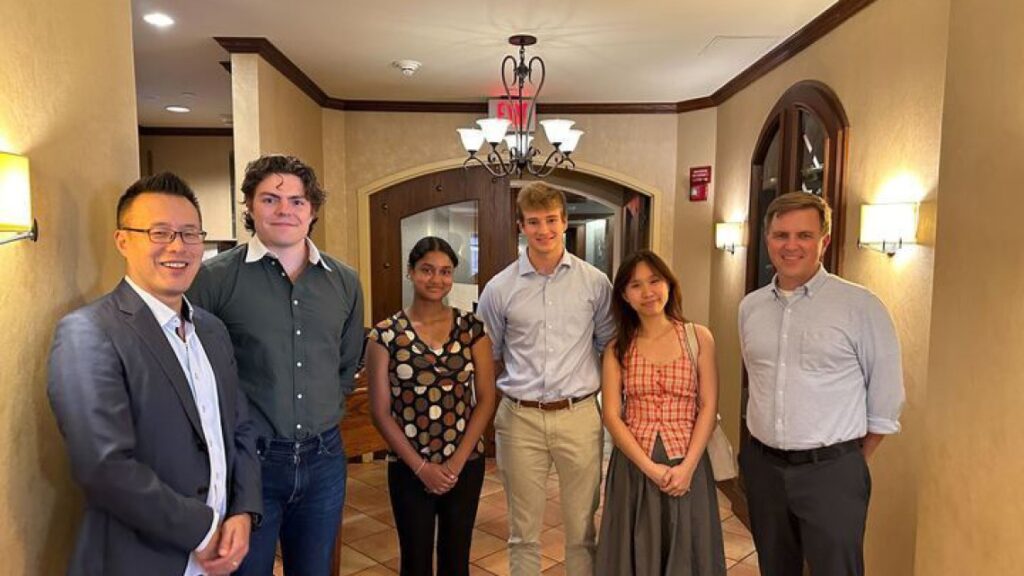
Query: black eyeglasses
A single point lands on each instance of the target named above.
(166, 235)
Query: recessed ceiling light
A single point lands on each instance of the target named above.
(408, 67)
(178, 109)
(159, 20)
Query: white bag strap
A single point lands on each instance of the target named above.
(692, 347)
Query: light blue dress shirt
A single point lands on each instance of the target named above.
(203, 383)
(549, 330)
(824, 364)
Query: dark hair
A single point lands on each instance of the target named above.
(627, 321)
(430, 244)
(162, 183)
(258, 170)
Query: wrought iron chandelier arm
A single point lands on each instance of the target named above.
(474, 158)
(554, 160)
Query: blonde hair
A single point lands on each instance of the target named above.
(539, 196)
(793, 201)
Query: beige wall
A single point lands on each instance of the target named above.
(693, 236)
(892, 90)
(272, 116)
(971, 509)
(203, 162)
(72, 112)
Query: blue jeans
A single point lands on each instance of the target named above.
(303, 494)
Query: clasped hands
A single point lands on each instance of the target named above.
(440, 478)
(672, 480)
(228, 546)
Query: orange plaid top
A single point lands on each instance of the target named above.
(661, 399)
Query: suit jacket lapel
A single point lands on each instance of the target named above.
(141, 319)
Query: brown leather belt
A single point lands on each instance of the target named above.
(553, 405)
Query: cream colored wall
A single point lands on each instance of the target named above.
(68, 103)
(891, 85)
(203, 162)
(693, 233)
(278, 116)
(971, 509)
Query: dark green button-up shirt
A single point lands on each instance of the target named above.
(297, 345)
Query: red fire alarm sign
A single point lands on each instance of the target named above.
(700, 179)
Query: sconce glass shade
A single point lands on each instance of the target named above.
(728, 235)
(571, 140)
(888, 227)
(557, 129)
(472, 139)
(494, 129)
(15, 194)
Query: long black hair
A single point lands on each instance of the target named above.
(627, 321)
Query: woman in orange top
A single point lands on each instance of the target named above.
(661, 510)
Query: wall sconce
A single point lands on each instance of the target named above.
(888, 227)
(728, 235)
(15, 200)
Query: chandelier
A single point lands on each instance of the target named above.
(511, 139)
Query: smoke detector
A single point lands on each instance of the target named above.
(408, 67)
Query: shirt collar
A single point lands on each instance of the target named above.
(526, 267)
(165, 316)
(257, 250)
(809, 288)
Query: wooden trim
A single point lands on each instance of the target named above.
(817, 28)
(277, 59)
(608, 108)
(824, 23)
(183, 131)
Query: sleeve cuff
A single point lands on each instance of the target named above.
(878, 425)
(209, 535)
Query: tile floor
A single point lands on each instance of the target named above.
(371, 545)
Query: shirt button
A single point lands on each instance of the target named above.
(299, 364)
(298, 332)
(295, 302)
(298, 427)
(783, 364)
(299, 396)
(283, 274)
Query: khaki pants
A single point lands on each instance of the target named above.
(528, 442)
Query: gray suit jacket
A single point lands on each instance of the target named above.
(135, 440)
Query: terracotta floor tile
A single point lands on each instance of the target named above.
(355, 525)
(377, 570)
(742, 569)
(752, 560)
(497, 527)
(394, 564)
(737, 547)
(475, 570)
(556, 570)
(485, 544)
(734, 525)
(498, 563)
(382, 546)
(353, 561)
(486, 512)
(491, 487)
(552, 544)
(368, 500)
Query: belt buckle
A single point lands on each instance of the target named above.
(541, 404)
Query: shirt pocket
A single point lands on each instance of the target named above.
(824, 349)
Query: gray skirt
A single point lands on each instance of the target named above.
(645, 532)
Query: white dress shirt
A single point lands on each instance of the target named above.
(201, 380)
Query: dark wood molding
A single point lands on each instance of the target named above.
(824, 23)
(608, 108)
(183, 131)
(277, 59)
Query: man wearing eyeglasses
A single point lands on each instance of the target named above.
(145, 392)
(295, 316)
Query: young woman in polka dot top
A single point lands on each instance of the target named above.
(431, 396)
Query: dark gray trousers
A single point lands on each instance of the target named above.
(814, 511)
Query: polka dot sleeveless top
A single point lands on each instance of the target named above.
(431, 390)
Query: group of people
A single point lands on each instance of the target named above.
(200, 401)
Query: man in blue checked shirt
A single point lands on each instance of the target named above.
(826, 387)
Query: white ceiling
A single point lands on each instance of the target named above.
(595, 50)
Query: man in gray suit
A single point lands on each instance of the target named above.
(145, 393)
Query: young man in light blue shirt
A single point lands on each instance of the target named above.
(548, 317)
